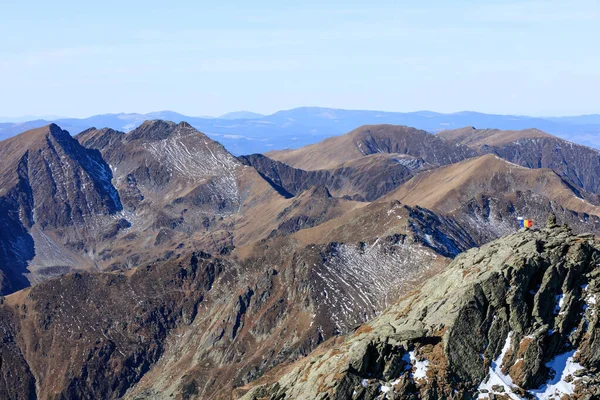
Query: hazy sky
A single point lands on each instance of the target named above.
(76, 58)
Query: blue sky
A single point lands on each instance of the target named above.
(77, 59)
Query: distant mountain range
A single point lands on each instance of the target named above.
(246, 132)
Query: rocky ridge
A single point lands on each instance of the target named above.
(365, 179)
(516, 318)
(373, 139)
(533, 148)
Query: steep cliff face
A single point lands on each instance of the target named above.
(515, 319)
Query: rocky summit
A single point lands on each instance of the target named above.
(514, 319)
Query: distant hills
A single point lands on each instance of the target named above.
(242, 115)
(245, 132)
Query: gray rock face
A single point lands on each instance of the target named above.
(414, 142)
(517, 317)
(161, 163)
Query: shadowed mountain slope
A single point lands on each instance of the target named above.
(532, 148)
(363, 179)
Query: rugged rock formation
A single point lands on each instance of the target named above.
(516, 318)
(93, 335)
(162, 162)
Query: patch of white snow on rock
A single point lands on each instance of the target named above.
(560, 384)
(564, 367)
(420, 366)
(496, 377)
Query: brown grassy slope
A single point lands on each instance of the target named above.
(371, 139)
(531, 148)
(446, 188)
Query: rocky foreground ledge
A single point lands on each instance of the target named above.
(514, 319)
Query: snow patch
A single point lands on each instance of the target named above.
(496, 376)
(559, 303)
(563, 366)
(421, 367)
(356, 281)
(591, 299)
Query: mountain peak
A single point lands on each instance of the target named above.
(40, 133)
(372, 139)
(12, 149)
(159, 129)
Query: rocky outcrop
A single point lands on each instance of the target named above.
(516, 318)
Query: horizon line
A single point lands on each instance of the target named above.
(26, 118)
